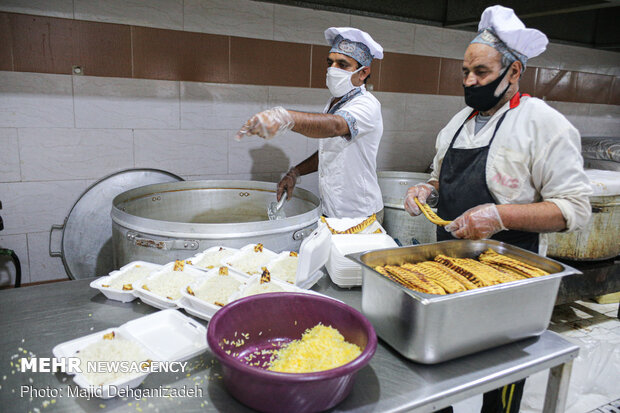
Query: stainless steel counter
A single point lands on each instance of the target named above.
(34, 319)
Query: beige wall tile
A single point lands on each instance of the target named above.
(266, 177)
(125, 103)
(42, 266)
(213, 106)
(427, 40)
(394, 36)
(59, 153)
(35, 100)
(405, 151)
(36, 206)
(241, 18)
(301, 99)
(9, 155)
(55, 8)
(297, 24)
(430, 113)
(183, 152)
(17, 243)
(166, 14)
(455, 42)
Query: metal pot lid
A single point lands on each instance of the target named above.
(86, 247)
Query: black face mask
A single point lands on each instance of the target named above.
(482, 98)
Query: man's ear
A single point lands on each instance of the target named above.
(364, 73)
(515, 71)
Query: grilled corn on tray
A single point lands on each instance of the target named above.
(433, 303)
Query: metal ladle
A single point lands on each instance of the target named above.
(276, 209)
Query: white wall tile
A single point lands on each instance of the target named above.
(394, 36)
(241, 18)
(58, 153)
(405, 151)
(265, 177)
(297, 24)
(17, 243)
(35, 100)
(167, 14)
(427, 40)
(551, 58)
(184, 152)
(9, 155)
(297, 98)
(313, 146)
(36, 206)
(42, 266)
(125, 103)
(430, 113)
(213, 106)
(392, 110)
(256, 155)
(55, 8)
(309, 182)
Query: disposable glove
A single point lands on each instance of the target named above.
(287, 184)
(424, 193)
(267, 124)
(479, 222)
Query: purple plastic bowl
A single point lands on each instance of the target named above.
(282, 317)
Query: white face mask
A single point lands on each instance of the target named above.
(339, 81)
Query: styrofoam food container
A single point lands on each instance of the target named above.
(165, 336)
(202, 308)
(343, 271)
(313, 254)
(124, 296)
(162, 302)
(230, 261)
(198, 257)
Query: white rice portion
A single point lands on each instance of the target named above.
(262, 289)
(217, 288)
(117, 349)
(129, 277)
(169, 284)
(251, 262)
(213, 259)
(286, 269)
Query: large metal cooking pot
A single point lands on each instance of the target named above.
(397, 222)
(599, 240)
(163, 222)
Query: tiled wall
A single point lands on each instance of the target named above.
(159, 97)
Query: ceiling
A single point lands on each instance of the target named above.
(588, 23)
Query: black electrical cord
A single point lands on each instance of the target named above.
(18, 267)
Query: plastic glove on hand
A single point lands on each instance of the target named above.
(267, 124)
(287, 184)
(420, 191)
(477, 223)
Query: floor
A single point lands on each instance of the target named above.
(595, 378)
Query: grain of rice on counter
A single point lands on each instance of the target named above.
(125, 281)
(110, 349)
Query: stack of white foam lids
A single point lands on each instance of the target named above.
(313, 254)
(342, 271)
(604, 183)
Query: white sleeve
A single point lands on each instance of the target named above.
(362, 115)
(557, 172)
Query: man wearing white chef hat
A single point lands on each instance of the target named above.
(508, 167)
(350, 129)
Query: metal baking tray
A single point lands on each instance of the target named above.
(430, 329)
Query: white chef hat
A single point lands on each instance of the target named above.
(353, 43)
(501, 29)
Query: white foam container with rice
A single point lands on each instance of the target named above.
(165, 336)
(431, 328)
(211, 257)
(121, 295)
(158, 301)
(241, 262)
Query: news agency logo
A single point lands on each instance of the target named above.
(73, 365)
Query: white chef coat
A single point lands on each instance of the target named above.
(536, 156)
(348, 182)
